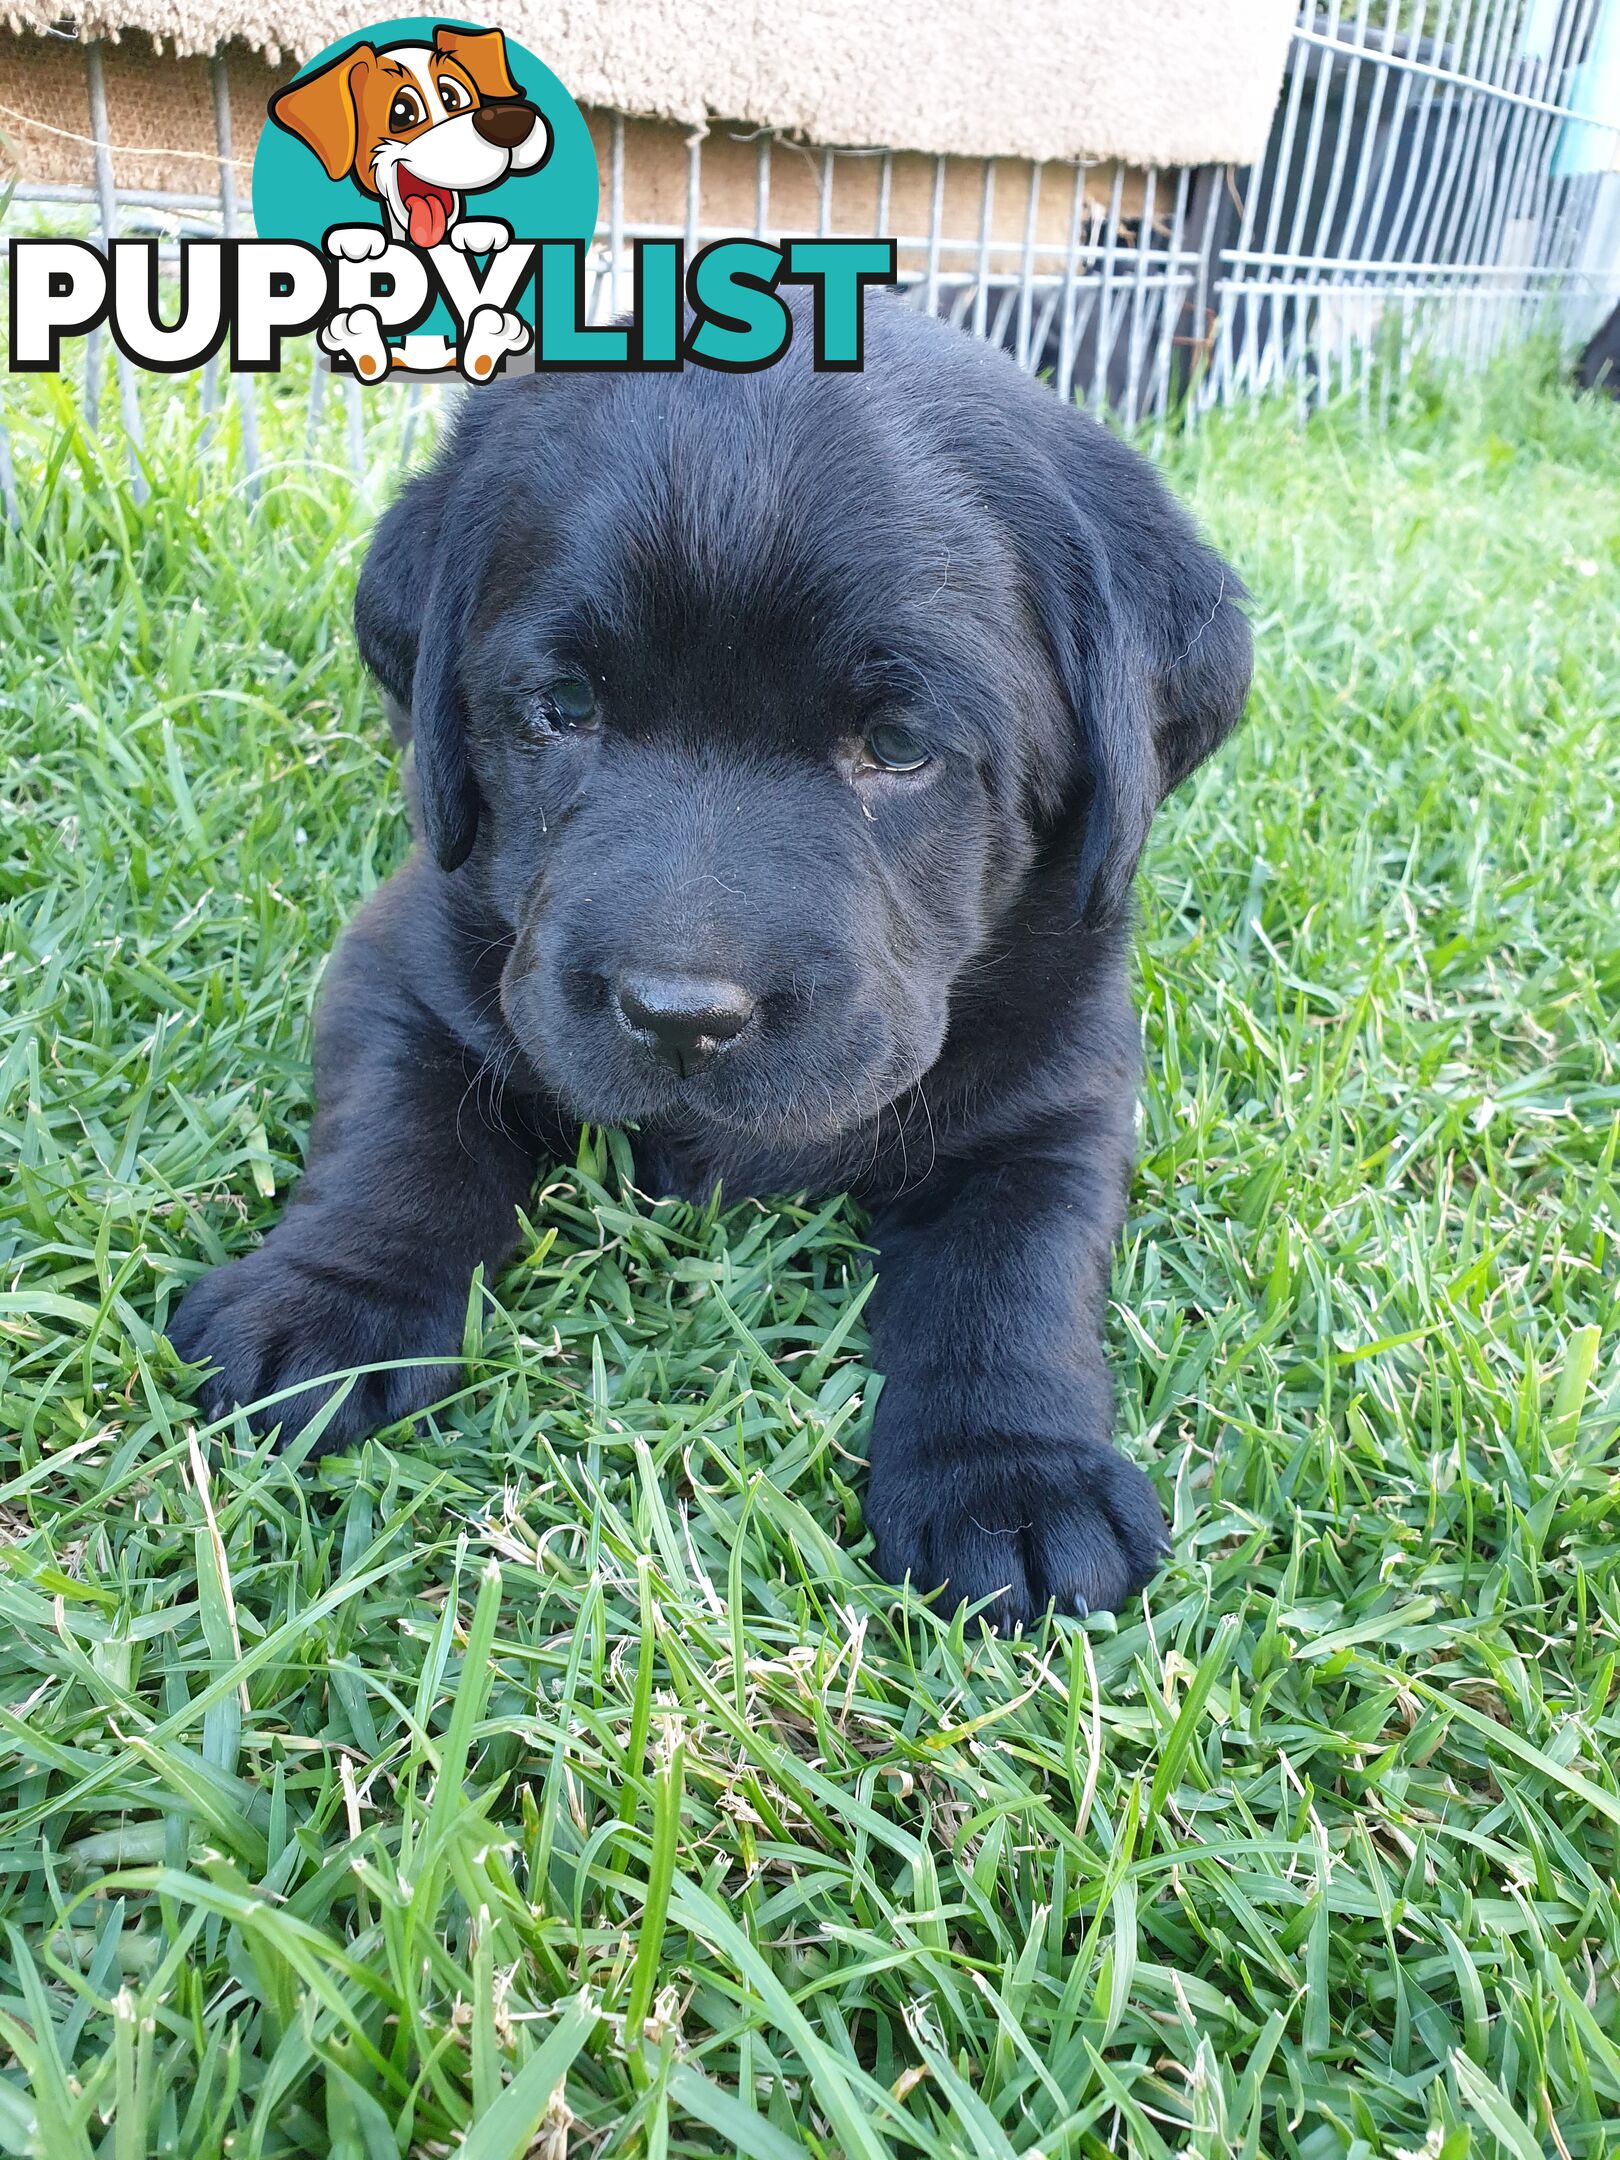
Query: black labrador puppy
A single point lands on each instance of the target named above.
(784, 746)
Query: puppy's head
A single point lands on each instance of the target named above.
(769, 711)
(418, 126)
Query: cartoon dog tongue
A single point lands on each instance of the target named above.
(428, 215)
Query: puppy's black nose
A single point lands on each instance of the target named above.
(504, 125)
(683, 1018)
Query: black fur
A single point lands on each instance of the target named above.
(751, 572)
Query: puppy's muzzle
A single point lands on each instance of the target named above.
(684, 1020)
(505, 125)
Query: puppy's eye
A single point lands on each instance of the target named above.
(893, 748)
(406, 110)
(567, 703)
(452, 94)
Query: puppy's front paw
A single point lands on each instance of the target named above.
(357, 243)
(266, 1323)
(492, 333)
(357, 336)
(480, 236)
(1026, 1523)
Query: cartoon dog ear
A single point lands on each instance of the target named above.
(411, 612)
(1145, 624)
(321, 110)
(483, 54)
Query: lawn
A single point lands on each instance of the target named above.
(554, 1778)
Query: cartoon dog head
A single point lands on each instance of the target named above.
(418, 126)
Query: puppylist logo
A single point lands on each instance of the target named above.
(418, 153)
(425, 200)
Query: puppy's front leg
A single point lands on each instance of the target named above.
(413, 1178)
(993, 1473)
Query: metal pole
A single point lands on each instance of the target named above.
(1533, 157)
(1489, 221)
(987, 205)
(1026, 268)
(1244, 369)
(1346, 128)
(8, 481)
(108, 209)
(1134, 334)
(936, 219)
(762, 187)
(1103, 349)
(1461, 104)
(1067, 339)
(1170, 320)
(1370, 312)
(246, 404)
(319, 374)
(357, 431)
(1414, 214)
(616, 214)
(1472, 170)
(694, 193)
(1207, 194)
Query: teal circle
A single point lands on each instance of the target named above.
(294, 199)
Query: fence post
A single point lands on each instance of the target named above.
(1103, 350)
(246, 407)
(1195, 324)
(8, 482)
(616, 218)
(107, 202)
(1068, 329)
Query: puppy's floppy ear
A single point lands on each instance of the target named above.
(483, 54)
(411, 612)
(1145, 623)
(321, 111)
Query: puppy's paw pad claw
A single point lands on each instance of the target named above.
(268, 1325)
(1080, 1533)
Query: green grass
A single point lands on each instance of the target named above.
(555, 1777)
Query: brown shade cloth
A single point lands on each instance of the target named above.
(1170, 82)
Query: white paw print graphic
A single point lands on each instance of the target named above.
(491, 333)
(357, 334)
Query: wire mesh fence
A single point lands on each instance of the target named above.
(1442, 177)
(1433, 181)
